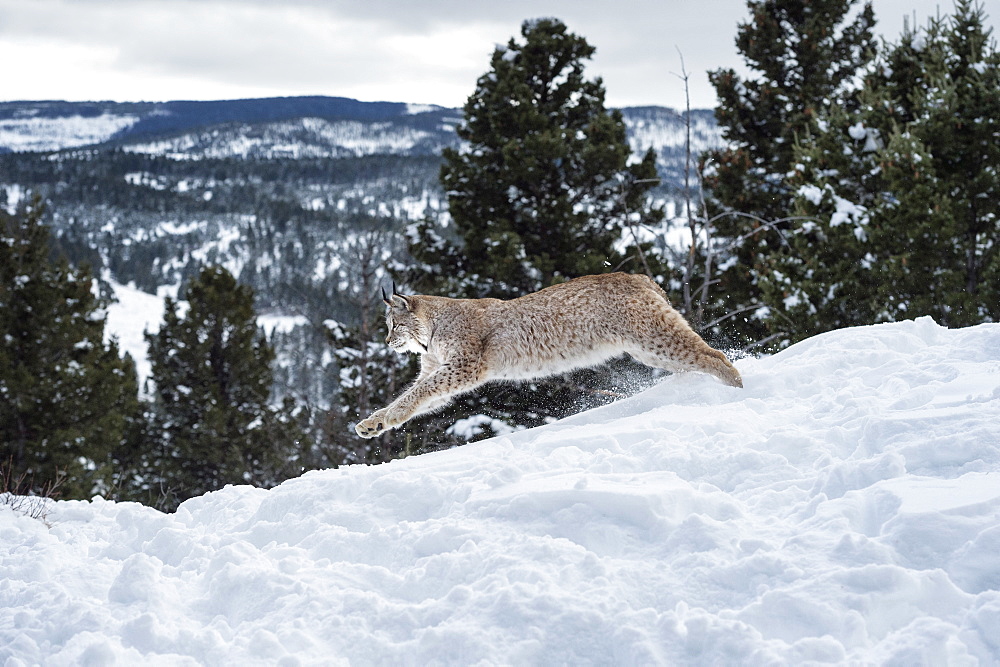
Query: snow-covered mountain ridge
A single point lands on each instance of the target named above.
(307, 127)
(107, 121)
(843, 508)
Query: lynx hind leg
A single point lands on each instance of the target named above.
(673, 345)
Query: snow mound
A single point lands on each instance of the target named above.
(844, 507)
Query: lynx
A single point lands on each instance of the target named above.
(464, 343)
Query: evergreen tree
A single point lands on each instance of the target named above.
(827, 273)
(211, 367)
(805, 58)
(955, 120)
(66, 396)
(543, 191)
(904, 191)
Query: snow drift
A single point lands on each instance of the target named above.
(845, 506)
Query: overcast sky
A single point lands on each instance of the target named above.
(421, 51)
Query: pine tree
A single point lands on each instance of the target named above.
(903, 191)
(211, 367)
(543, 192)
(805, 57)
(66, 395)
(955, 118)
(828, 271)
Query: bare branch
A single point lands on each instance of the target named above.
(732, 314)
(691, 221)
(765, 225)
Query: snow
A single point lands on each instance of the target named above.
(873, 141)
(146, 179)
(50, 134)
(664, 131)
(792, 300)
(414, 109)
(299, 139)
(276, 322)
(173, 228)
(812, 193)
(871, 135)
(848, 211)
(14, 195)
(844, 507)
(134, 313)
(472, 426)
(857, 131)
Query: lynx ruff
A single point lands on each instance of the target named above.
(464, 343)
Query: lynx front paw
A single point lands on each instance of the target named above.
(374, 425)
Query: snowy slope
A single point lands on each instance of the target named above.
(32, 133)
(135, 312)
(665, 130)
(55, 125)
(844, 507)
(132, 315)
(303, 138)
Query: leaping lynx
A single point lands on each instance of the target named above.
(464, 343)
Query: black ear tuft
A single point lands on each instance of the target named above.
(397, 296)
(385, 298)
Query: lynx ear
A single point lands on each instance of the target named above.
(397, 300)
(400, 301)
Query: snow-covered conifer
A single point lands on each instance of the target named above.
(211, 367)
(805, 58)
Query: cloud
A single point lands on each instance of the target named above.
(430, 51)
(424, 52)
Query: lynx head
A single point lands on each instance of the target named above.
(407, 332)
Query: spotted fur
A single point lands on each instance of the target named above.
(464, 343)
